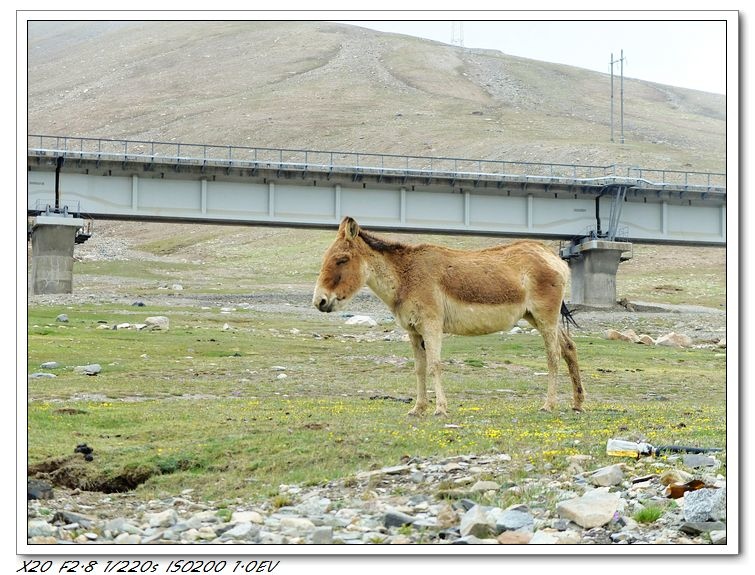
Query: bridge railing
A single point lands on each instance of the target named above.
(366, 163)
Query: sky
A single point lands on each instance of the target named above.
(687, 54)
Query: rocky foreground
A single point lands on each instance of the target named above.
(420, 501)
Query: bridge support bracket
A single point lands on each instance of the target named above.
(593, 265)
(52, 240)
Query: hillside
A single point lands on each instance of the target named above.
(321, 85)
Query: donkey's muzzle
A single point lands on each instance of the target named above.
(324, 304)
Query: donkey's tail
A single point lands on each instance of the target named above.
(567, 317)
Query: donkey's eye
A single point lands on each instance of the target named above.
(341, 261)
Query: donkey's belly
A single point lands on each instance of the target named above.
(478, 319)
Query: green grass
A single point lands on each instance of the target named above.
(201, 407)
(648, 514)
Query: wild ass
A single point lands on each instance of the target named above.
(432, 289)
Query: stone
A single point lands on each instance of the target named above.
(91, 369)
(121, 525)
(246, 516)
(39, 527)
(127, 539)
(395, 518)
(671, 476)
(38, 489)
(165, 518)
(698, 527)
(482, 486)
(645, 339)
(718, 537)
(607, 476)
(706, 504)
(242, 531)
(695, 460)
(158, 322)
(361, 320)
(514, 538)
(674, 339)
(322, 535)
(63, 318)
(50, 365)
(594, 509)
(478, 522)
(297, 523)
(514, 520)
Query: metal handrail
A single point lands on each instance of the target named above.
(368, 163)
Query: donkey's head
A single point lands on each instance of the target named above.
(343, 271)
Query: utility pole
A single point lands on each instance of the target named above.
(457, 33)
(620, 60)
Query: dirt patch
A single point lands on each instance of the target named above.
(74, 472)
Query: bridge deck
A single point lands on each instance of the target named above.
(225, 184)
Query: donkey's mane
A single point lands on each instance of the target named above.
(381, 245)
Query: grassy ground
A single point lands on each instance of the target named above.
(203, 407)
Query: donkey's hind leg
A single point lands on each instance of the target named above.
(550, 337)
(569, 353)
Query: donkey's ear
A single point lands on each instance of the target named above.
(350, 228)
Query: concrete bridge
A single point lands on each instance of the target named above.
(587, 205)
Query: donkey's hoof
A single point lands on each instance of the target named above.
(416, 412)
(547, 408)
(440, 413)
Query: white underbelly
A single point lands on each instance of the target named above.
(477, 319)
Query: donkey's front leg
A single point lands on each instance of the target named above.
(433, 340)
(420, 370)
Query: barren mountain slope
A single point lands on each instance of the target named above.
(320, 85)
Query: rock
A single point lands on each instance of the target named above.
(674, 340)
(38, 489)
(482, 486)
(607, 476)
(672, 476)
(63, 318)
(698, 527)
(514, 538)
(614, 334)
(718, 537)
(478, 522)
(645, 339)
(361, 320)
(91, 369)
(706, 504)
(245, 516)
(121, 525)
(297, 523)
(396, 518)
(128, 539)
(158, 322)
(165, 518)
(515, 519)
(695, 460)
(721, 343)
(594, 509)
(70, 517)
(39, 528)
(50, 365)
(242, 532)
(322, 535)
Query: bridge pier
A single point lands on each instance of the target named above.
(593, 265)
(52, 240)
